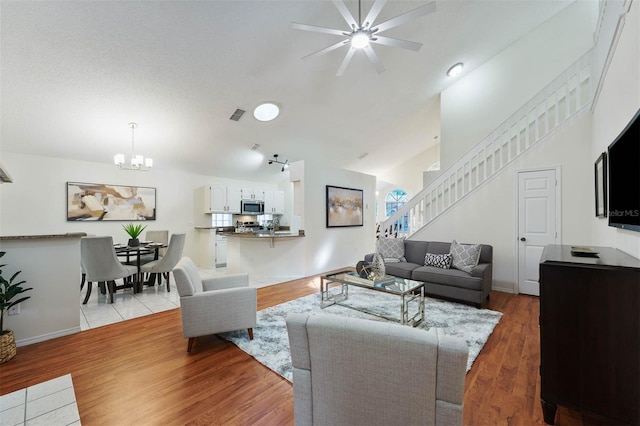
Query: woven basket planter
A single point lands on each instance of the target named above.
(7, 347)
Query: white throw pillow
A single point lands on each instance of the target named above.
(438, 260)
(465, 256)
(391, 249)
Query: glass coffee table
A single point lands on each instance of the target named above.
(410, 292)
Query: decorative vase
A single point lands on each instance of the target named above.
(378, 266)
(134, 242)
(7, 346)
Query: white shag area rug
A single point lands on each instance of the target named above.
(270, 345)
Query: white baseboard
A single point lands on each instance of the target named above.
(503, 289)
(47, 336)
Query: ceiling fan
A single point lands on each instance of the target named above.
(363, 32)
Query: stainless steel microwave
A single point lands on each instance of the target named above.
(252, 207)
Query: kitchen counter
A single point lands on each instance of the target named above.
(262, 235)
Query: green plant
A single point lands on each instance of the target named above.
(9, 290)
(134, 231)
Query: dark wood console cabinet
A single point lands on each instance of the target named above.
(590, 333)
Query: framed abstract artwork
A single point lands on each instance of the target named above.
(600, 169)
(344, 207)
(103, 202)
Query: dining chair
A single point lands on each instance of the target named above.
(165, 265)
(161, 236)
(100, 265)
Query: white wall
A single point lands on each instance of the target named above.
(483, 99)
(35, 203)
(617, 102)
(489, 215)
(333, 248)
(53, 309)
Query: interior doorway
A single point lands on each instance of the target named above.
(538, 223)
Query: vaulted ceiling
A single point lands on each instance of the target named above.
(75, 73)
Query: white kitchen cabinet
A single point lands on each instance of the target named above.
(252, 194)
(274, 202)
(221, 251)
(222, 199)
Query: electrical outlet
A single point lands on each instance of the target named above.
(14, 310)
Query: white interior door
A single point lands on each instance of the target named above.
(538, 218)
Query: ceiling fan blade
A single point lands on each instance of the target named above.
(374, 59)
(374, 12)
(327, 49)
(313, 28)
(344, 11)
(394, 42)
(345, 62)
(406, 17)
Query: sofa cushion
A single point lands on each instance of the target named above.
(451, 277)
(438, 260)
(414, 251)
(465, 256)
(400, 269)
(391, 249)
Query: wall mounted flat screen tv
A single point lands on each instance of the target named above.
(624, 177)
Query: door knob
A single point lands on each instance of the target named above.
(523, 239)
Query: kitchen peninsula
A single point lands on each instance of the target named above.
(283, 256)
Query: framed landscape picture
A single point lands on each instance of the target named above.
(344, 206)
(99, 201)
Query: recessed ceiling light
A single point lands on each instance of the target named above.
(266, 111)
(455, 70)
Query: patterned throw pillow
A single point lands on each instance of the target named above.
(391, 249)
(465, 256)
(438, 260)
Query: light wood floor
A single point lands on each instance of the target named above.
(139, 373)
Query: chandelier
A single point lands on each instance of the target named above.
(138, 162)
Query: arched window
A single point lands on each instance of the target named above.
(394, 201)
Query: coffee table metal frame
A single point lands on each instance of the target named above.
(409, 291)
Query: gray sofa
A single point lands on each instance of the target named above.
(451, 283)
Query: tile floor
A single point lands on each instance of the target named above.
(49, 403)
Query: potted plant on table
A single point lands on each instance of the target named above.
(8, 291)
(134, 232)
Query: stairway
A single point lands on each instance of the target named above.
(564, 98)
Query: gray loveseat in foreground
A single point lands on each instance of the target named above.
(454, 284)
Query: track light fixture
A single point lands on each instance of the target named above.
(285, 163)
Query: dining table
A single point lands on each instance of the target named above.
(133, 256)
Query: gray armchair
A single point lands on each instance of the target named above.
(349, 371)
(213, 305)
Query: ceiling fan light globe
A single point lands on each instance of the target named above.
(360, 40)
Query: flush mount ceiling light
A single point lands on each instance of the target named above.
(138, 162)
(266, 111)
(285, 163)
(455, 70)
(363, 32)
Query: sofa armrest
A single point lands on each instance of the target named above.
(368, 257)
(484, 271)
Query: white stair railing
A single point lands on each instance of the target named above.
(565, 97)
